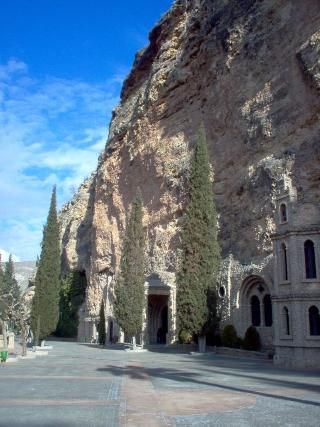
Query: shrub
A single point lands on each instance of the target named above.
(229, 337)
(185, 337)
(252, 339)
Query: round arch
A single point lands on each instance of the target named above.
(250, 283)
(254, 296)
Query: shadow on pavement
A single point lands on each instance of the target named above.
(140, 373)
(39, 424)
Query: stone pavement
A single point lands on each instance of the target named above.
(83, 385)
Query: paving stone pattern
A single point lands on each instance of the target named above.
(83, 385)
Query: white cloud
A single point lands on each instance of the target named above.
(13, 66)
(51, 132)
(5, 256)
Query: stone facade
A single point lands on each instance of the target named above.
(280, 294)
(296, 296)
(159, 326)
(244, 284)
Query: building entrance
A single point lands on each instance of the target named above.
(157, 319)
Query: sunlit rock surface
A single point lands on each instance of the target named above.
(249, 71)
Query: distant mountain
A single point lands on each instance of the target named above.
(24, 271)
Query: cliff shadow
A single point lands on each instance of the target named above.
(84, 232)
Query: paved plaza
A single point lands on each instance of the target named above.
(83, 385)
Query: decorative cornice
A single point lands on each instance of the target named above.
(312, 229)
(306, 296)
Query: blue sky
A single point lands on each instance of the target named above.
(62, 64)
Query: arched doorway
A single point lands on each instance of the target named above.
(256, 308)
(157, 318)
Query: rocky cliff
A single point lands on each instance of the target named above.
(249, 70)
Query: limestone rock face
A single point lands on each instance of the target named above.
(249, 71)
(309, 56)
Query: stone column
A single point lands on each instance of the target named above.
(144, 333)
(121, 336)
(172, 316)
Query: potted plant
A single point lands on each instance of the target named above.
(3, 355)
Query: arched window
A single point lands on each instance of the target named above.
(310, 259)
(285, 321)
(283, 213)
(284, 262)
(255, 311)
(267, 310)
(314, 320)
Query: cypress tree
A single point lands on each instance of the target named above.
(10, 294)
(129, 290)
(3, 308)
(1, 279)
(45, 304)
(196, 278)
(10, 284)
(102, 325)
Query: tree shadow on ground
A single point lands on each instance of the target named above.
(253, 373)
(141, 373)
(117, 347)
(39, 424)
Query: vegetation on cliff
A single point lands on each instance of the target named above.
(45, 304)
(196, 278)
(129, 290)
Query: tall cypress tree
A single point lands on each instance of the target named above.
(10, 294)
(45, 304)
(129, 290)
(102, 325)
(1, 278)
(10, 284)
(200, 249)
